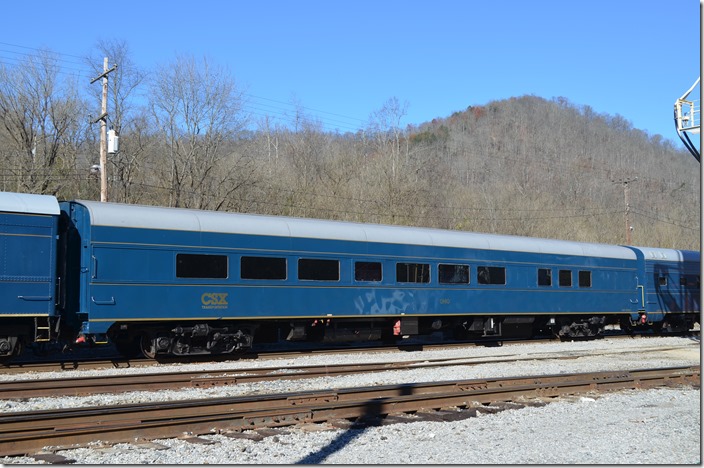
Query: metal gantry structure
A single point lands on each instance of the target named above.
(687, 117)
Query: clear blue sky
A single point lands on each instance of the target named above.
(342, 60)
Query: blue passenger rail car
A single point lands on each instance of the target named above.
(28, 240)
(672, 289)
(177, 281)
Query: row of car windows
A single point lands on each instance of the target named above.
(312, 269)
(693, 281)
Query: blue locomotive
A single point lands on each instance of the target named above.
(168, 281)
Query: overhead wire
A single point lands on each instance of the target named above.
(282, 111)
(35, 49)
(279, 108)
(367, 213)
(664, 220)
(457, 211)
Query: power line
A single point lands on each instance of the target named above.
(264, 107)
(295, 107)
(26, 56)
(281, 114)
(82, 176)
(346, 199)
(366, 212)
(61, 71)
(329, 119)
(664, 220)
(41, 50)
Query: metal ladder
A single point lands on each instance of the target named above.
(42, 329)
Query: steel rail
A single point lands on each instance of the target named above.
(25, 433)
(14, 389)
(205, 379)
(78, 363)
(121, 362)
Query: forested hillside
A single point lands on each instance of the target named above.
(526, 165)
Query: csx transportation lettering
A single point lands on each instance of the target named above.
(214, 300)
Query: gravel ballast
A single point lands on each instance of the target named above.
(641, 426)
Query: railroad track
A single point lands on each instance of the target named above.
(27, 433)
(116, 362)
(34, 388)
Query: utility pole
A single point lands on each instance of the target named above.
(103, 119)
(626, 196)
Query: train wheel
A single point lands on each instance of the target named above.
(147, 346)
(128, 346)
(16, 351)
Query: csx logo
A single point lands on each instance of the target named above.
(214, 299)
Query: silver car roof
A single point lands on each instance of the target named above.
(28, 203)
(151, 217)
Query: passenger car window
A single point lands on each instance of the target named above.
(544, 277)
(491, 275)
(318, 269)
(265, 268)
(367, 271)
(201, 266)
(453, 274)
(413, 273)
(565, 278)
(585, 279)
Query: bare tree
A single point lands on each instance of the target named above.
(41, 118)
(197, 108)
(385, 130)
